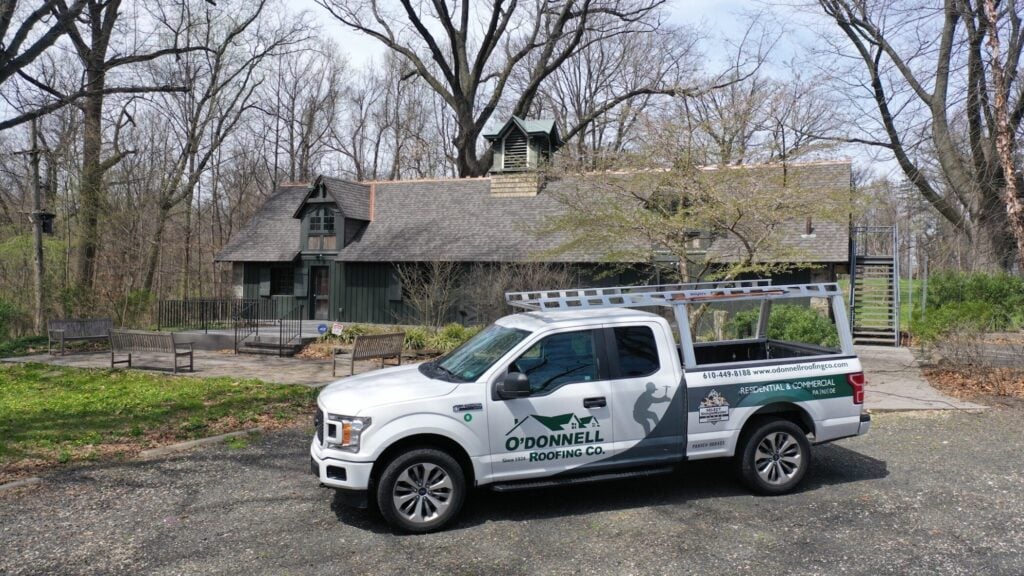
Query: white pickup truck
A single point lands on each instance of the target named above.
(585, 386)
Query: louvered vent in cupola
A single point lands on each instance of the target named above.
(517, 151)
(523, 145)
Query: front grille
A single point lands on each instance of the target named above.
(318, 423)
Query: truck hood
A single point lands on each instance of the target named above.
(352, 395)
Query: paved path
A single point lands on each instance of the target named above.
(895, 382)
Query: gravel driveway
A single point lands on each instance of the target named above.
(923, 493)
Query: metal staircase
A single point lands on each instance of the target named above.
(875, 285)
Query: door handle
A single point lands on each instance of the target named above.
(598, 402)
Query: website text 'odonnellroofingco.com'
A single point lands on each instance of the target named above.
(802, 367)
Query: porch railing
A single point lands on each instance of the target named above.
(209, 313)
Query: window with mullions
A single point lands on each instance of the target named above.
(321, 221)
(321, 229)
(282, 281)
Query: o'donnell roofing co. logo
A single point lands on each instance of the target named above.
(567, 430)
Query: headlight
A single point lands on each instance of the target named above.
(343, 432)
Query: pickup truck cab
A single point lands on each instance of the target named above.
(586, 386)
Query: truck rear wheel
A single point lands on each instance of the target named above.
(421, 490)
(773, 456)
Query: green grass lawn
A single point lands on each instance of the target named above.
(51, 415)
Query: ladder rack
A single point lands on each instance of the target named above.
(665, 295)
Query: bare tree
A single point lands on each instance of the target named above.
(92, 37)
(223, 81)
(936, 104)
(468, 52)
(599, 92)
(33, 34)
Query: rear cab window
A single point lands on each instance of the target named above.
(735, 332)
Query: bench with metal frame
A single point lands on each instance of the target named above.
(371, 346)
(76, 329)
(129, 341)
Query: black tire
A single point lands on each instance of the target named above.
(421, 490)
(772, 457)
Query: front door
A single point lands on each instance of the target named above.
(320, 286)
(565, 423)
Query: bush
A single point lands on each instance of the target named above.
(790, 323)
(974, 302)
(450, 337)
(11, 319)
(417, 337)
(349, 333)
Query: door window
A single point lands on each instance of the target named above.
(558, 360)
(638, 351)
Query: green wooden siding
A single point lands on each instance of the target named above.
(364, 297)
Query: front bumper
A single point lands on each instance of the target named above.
(338, 473)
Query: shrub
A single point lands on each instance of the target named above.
(11, 318)
(790, 323)
(349, 333)
(450, 337)
(976, 302)
(417, 337)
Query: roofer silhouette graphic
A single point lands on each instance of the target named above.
(642, 408)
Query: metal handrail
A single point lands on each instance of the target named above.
(290, 326)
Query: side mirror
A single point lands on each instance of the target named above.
(515, 385)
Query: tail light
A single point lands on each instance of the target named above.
(856, 381)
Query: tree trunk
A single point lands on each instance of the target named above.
(92, 192)
(154, 249)
(37, 232)
(1004, 136)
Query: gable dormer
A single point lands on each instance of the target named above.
(523, 145)
(331, 213)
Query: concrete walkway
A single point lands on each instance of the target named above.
(894, 379)
(895, 382)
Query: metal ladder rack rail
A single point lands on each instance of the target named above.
(665, 295)
(531, 300)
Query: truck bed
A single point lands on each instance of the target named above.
(753, 350)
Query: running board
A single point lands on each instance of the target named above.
(532, 484)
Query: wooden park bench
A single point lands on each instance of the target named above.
(128, 341)
(76, 329)
(373, 346)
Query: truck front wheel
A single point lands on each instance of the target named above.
(773, 456)
(421, 490)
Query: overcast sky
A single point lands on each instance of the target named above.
(719, 18)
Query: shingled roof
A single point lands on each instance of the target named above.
(460, 220)
(823, 186)
(457, 221)
(351, 197)
(272, 235)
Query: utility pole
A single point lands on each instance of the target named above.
(37, 229)
(36, 217)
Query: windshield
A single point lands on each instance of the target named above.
(467, 362)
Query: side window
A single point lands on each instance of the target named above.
(638, 351)
(558, 360)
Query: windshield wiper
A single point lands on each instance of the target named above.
(451, 375)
